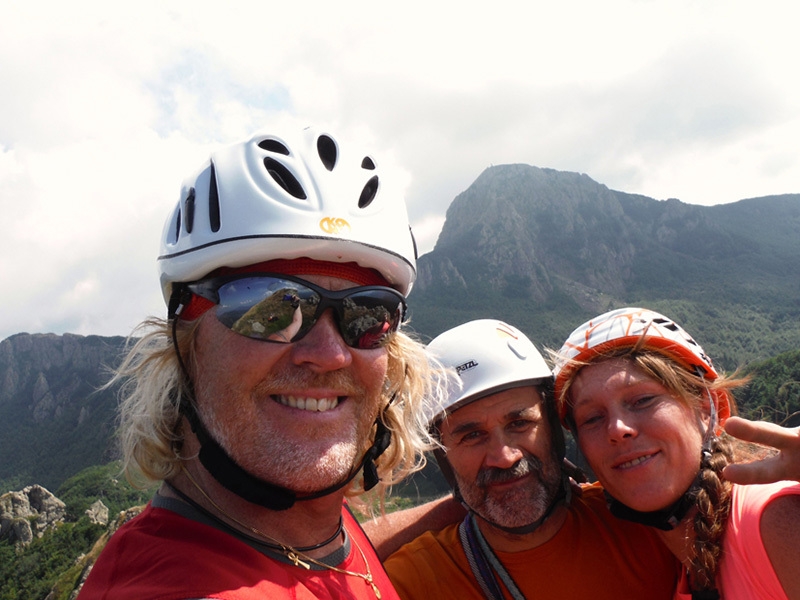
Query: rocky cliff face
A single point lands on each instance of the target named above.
(45, 371)
(518, 222)
(546, 249)
(50, 394)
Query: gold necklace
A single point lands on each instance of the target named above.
(291, 553)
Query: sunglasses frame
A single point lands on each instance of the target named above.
(209, 289)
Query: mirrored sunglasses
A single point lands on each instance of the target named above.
(283, 309)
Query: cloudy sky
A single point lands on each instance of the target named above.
(107, 106)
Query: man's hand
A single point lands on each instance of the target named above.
(785, 465)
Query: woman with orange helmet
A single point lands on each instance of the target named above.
(647, 407)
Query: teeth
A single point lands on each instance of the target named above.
(634, 462)
(312, 404)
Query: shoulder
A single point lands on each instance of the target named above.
(432, 566)
(780, 530)
(752, 502)
(425, 554)
(781, 517)
(428, 544)
(773, 510)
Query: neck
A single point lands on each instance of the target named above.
(503, 541)
(680, 539)
(305, 524)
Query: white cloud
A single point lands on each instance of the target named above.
(109, 106)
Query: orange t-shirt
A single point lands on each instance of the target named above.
(594, 555)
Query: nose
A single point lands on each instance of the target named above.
(620, 428)
(322, 349)
(501, 453)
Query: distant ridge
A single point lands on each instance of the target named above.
(53, 420)
(547, 249)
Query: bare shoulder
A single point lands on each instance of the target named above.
(780, 530)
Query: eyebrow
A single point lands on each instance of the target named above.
(509, 416)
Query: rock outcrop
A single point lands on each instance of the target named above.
(29, 513)
(98, 513)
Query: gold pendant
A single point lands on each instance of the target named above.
(374, 587)
(296, 560)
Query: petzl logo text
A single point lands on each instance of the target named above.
(470, 364)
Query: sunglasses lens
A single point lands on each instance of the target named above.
(264, 308)
(369, 316)
(283, 310)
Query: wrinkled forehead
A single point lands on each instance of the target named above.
(496, 408)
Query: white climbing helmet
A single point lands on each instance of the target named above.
(284, 197)
(489, 356)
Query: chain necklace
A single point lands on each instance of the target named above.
(297, 557)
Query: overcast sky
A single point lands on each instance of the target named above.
(107, 106)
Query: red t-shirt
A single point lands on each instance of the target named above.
(163, 555)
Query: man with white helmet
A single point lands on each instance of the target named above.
(279, 383)
(525, 534)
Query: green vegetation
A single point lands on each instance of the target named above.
(104, 482)
(49, 562)
(774, 392)
(31, 572)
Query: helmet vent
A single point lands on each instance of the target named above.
(176, 234)
(327, 151)
(369, 192)
(189, 204)
(368, 163)
(273, 146)
(284, 178)
(213, 200)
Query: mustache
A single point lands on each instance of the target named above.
(524, 466)
(342, 380)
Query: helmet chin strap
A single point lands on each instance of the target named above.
(665, 520)
(237, 480)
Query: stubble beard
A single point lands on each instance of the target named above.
(520, 506)
(323, 458)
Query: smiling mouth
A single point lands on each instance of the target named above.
(310, 404)
(636, 461)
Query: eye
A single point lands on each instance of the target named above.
(471, 438)
(643, 401)
(588, 419)
(520, 424)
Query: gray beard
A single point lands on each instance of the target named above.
(517, 507)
